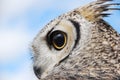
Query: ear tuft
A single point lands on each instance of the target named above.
(97, 10)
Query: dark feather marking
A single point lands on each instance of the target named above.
(106, 7)
(47, 38)
(77, 27)
(105, 14)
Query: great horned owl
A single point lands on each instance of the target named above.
(79, 45)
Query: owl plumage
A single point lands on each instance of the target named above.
(79, 45)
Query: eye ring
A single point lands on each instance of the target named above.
(58, 39)
(60, 47)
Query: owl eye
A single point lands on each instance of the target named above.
(58, 39)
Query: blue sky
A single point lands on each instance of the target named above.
(20, 21)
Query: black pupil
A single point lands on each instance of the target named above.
(58, 39)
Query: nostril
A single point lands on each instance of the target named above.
(37, 72)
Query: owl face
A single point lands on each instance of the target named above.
(54, 44)
(66, 35)
(57, 40)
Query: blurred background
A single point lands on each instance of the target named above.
(20, 21)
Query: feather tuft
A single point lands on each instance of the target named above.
(97, 9)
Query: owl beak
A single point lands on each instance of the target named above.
(37, 72)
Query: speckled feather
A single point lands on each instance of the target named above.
(99, 58)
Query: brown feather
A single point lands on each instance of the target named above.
(95, 10)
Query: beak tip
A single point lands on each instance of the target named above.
(37, 71)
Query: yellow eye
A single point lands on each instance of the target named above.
(58, 39)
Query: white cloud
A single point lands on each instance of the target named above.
(10, 8)
(13, 41)
(25, 73)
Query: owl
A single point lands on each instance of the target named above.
(79, 45)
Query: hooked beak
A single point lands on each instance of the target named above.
(37, 72)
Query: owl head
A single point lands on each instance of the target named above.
(66, 34)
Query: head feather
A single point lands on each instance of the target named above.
(97, 10)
